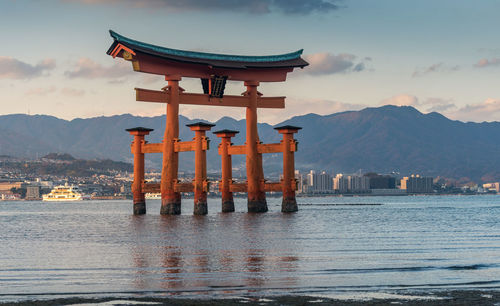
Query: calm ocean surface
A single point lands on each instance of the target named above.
(97, 248)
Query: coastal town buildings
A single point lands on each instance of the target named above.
(417, 184)
(351, 183)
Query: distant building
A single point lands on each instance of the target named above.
(492, 187)
(324, 183)
(340, 183)
(126, 188)
(7, 186)
(318, 183)
(417, 184)
(312, 180)
(300, 181)
(358, 184)
(378, 181)
(32, 192)
(4, 196)
(351, 184)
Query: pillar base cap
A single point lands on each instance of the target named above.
(139, 208)
(169, 207)
(227, 206)
(257, 206)
(289, 205)
(200, 208)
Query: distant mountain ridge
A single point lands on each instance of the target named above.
(382, 139)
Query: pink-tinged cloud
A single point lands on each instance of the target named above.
(439, 67)
(89, 69)
(401, 100)
(484, 62)
(72, 92)
(326, 63)
(489, 110)
(41, 91)
(11, 68)
(290, 7)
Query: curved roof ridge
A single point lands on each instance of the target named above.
(203, 55)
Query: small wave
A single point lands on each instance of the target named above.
(471, 267)
(407, 269)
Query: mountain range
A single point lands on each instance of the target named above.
(383, 139)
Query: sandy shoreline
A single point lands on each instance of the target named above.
(452, 297)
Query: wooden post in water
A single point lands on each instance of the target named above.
(289, 184)
(200, 166)
(226, 169)
(256, 194)
(170, 199)
(137, 145)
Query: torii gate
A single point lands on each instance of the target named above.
(213, 70)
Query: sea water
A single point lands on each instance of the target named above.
(332, 246)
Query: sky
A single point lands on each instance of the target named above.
(435, 55)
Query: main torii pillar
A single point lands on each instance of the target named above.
(213, 70)
(255, 172)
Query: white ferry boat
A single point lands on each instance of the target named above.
(64, 194)
(152, 196)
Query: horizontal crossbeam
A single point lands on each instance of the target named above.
(158, 96)
(242, 187)
(180, 146)
(184, 187)
(273, 186)
(150, 188)
(261, 148)
(178, 187)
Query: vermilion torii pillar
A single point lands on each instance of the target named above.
(255, 173)
(170, 199)
(289, 183)
(213, 70)
(137, 145)
(226, 169)
(200, 163)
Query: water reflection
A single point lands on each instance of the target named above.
(172, 263)
(177, 253)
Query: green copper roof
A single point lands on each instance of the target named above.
(202, 55)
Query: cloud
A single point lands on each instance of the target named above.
(289, 7)
(482, 63)
(401, 100)
(488, 110)
(438, 105)
(439, 67)
(326, 63)
(73, 92)
(40, 91)
(11, 68)
(88, 69)
(428, 105)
